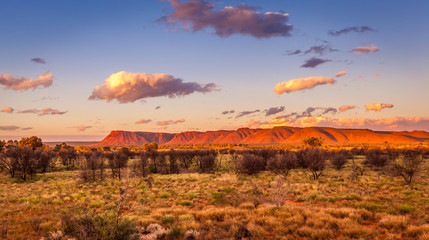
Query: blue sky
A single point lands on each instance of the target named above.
(84, 42)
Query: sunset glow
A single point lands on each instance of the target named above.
(193, 65)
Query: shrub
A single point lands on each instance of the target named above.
(251, 164)
(407, 167)
(207, 163)
(379, 158)
(339, 159)
(167, 219)
(282, 163)
(314, 160)
(140, 167)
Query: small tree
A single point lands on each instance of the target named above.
(207, 163)
(31, 142)
(339, 159)
(141, 165)
(408, 166)
(251, 164)
(378, 158)
(282, 163)
(314, 161)
(312, 142)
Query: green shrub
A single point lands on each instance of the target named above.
(166, 219)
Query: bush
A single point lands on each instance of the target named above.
(339, 159)
(207, 163)
(314, 160)
(251, 164)
(377, 158)
(282, 163)
(407, 167)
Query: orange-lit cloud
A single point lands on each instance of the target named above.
(22, 83)
(143, 121)
(82, 128)
(301, 83)
(128, 87)
(7, 110)
(340, 74)
(344, 108)
(170, 122)
(392, 123)
(365, 50)
(198, 15)
(377, 107)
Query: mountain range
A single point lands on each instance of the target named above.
(273, 136)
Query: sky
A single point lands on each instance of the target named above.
(75, 70)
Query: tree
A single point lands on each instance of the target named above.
(282, 163)
(150, 146)
(312, 142)
(32, 142)
(251, 164)
(339, 159)
(68, 155)
(313, 160)
(408, 166)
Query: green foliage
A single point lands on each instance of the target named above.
(166, 219)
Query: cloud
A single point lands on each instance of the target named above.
(388, 124)
(274, 110)
(314, 62)
(340, 74)
(360, 29)
(170, 122)
(38, 60)
(244, 113)
(254, 123)
(33, 111)
(82, 128)
(7, 110)
(301, 84)
(157, 107)
(365, 50)
(22, 83)
(321, 49)
(128, 87)
(198, 15)
(296, 52)
(377, 107)
(228, 112)
(143, 121)
(50, 111)
(9, 128)
(378, 75)
(344, 108)
(27, 128)
(44, 111)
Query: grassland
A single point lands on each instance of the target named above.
(224, 205)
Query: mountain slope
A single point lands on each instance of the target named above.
(276, 135)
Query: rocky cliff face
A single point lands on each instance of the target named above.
(277, 135)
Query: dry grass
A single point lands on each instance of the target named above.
(229, 206)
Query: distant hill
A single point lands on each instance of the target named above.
(276, 135)
(71, 143)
